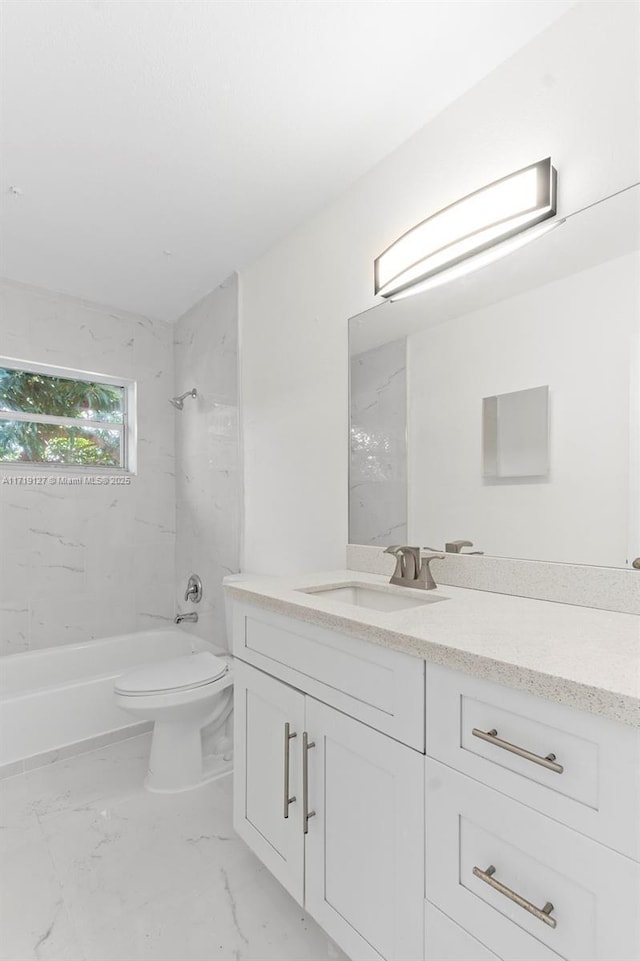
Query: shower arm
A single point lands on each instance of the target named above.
(178, 402)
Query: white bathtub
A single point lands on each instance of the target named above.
(63, 696)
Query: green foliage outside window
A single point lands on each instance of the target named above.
(38, 441)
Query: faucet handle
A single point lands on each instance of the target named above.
(410, 559)
(407, 561)
(395, 549)
(425, 576)
(454, 547)
(194, 589)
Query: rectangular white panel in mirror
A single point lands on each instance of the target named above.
(515, 434)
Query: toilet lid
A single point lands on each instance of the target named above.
(175, 674)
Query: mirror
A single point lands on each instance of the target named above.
(503, 409)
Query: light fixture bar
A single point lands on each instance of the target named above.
(467, 227)
(483, 259)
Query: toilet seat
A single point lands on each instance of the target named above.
(185, 673)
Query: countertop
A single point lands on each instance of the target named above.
(586, 658)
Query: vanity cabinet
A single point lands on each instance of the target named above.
(364, 869)
(577, 768)
(443, 938)
(532, 823)
(334, 809)
(423, 814)
(268, 726)
(574, 898)
(374, 684)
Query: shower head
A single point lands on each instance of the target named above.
(178, 402)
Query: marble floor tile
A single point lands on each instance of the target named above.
(109, 773)
(20, 829)
(159, 844)
(219, 923)
(34, 921)
(94, 868)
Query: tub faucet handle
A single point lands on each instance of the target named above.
(194, 589)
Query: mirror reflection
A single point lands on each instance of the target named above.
(501, 413)
(515, 434)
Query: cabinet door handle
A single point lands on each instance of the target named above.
(543, 914)
(288, 735)
(306, 813)
(492, 737)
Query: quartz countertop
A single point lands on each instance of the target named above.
(586, 658)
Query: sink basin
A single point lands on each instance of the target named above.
(374, 598)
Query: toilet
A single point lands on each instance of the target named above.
(181, 695)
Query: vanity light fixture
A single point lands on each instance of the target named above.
(468, 234)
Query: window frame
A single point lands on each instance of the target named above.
(129, 432)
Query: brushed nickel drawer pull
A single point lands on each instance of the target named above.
(492, 737)
(543, 914)
(288, 735)
(306, 813)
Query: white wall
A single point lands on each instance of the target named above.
(84, 562)
(572, 93)
(207, 454)
(575, 335)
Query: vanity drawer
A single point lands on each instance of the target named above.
(444, 940)
(381, 687)
(577, 768)
(481, 845)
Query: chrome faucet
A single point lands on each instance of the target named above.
(410, 571)
(191, 618)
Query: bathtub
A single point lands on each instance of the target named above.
(62, 697)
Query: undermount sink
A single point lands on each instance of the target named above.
(373, 598)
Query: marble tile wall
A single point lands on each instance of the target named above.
(80, 562)
(378, 458)
(208, 482)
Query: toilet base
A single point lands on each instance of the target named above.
(215, 766)
(176, 763)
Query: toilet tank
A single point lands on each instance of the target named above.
(232, 579)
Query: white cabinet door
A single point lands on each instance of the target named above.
(264, 756)
(364, 861)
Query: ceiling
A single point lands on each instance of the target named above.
(151, 148)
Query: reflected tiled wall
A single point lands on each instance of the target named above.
(378, 457)
(207, 454)
(80, 562)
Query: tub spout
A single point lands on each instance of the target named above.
(192, 618)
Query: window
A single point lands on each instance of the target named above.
(64, 418)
